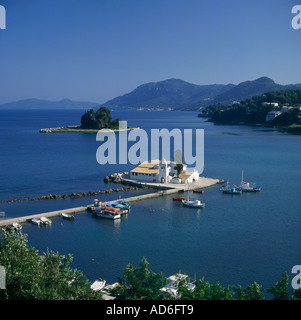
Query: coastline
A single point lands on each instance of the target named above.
(72, 129)
(292, 129)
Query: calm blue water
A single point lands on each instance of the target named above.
(234, 240)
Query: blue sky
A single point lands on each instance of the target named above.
(95, 50)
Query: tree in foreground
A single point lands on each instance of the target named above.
(139, 283)
(30, 276)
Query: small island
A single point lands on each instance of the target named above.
(91, 121)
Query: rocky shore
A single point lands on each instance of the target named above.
(75, 195)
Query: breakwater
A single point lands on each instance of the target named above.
(75, 195)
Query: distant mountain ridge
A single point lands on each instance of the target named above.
(46, 104)
(177, 94)
(171, 94)
(249, 89)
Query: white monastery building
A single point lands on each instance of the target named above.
(163, 172)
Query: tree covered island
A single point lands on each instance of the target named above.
(280, 109)
(91, 121)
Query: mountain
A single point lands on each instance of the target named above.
(45, 104)
(248, 89)
(181, 95)
(171, 93)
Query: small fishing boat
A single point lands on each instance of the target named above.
(178, 199)
(14, 227)
(67, 216)
(36, 221)
(17, 226)
(45, 221)
(125, 203)
(107, 214)
(193, 203)
(98, 285)
(174, 281)
(124, 208)
(230, 190)
(247, 186)
(198, 191)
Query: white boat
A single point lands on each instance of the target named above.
(107, 214)
(45, 221)
(17, 226)
(67, 216)
(98, 285)
(14, 227)
(36, 221)
(193, 203)
(173, 282)
(247, 186)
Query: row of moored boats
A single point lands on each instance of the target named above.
(110, 210)
(242, 187)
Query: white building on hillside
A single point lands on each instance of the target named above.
(163, 172)
(272, 115)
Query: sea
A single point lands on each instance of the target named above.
(234, 240)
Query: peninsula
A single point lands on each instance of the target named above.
(91, 121)
(277, 109)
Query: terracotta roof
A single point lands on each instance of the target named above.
(147, 167)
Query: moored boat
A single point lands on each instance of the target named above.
(36, 221)
(174, 281)
(230, 190)
(98, 285)
(107, 214)
(193, 203)
(247, 186)
(67, 216)
(198, 191)
(125, 203)
(45, 221)
(14, 227)
(178, 199)
(123, 207)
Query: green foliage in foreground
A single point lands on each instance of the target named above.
(48, 277)
(30, 276)
(142, 284)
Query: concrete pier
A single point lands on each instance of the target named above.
(50, 214)
(165, 189)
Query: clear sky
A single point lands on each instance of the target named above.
(95, 50)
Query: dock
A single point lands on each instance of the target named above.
(163, 190)
(50, 214)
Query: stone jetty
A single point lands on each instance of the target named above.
(75, 195)
(163, 189)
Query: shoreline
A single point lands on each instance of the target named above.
(72, 129)
(292, 129)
